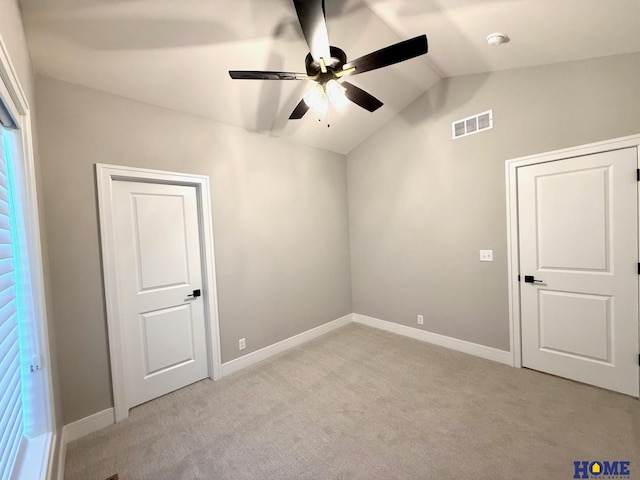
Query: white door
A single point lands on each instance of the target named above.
(157, 256)
(578, 231)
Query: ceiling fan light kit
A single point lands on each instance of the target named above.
(326, 65)
(337, 95)
(316, 99)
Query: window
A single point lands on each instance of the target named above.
(11, 410)
(26, 414)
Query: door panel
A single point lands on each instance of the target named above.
(578, 231)
(562, 314)
(160, 216)
(562, 197)
(167, 338)
(157, 240)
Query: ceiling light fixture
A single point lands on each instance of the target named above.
(317, 100)
(496, 39)
(319, 96)
(337, 95)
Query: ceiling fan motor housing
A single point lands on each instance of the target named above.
(334, 64)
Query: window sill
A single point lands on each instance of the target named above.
(34, 460)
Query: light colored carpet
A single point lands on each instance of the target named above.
(360, 403)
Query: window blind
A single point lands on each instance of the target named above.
(11, 414)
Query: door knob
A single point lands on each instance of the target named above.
(195, 294)
(531, 279)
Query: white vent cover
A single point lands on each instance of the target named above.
(474, 124)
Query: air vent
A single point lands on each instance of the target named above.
(474, 124)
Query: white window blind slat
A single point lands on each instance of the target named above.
(5, 292)
(13, 435)
(7, 331)
(6, 299)
(10, 405)
(11, 414)
(6, 281)
(7, 380)
(5, 251)
(6, 265)
(7, 400)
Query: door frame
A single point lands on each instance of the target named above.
(105, 176)
(513, 240)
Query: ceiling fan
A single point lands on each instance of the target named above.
(326, 65)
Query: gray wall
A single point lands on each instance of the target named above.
(13, 36)
(421, 205)
(279, 220)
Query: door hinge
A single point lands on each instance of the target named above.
(639, 269)
(638, 174)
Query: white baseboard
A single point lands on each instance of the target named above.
(100, 420)
(254, 357)
(85, 426)
(81, 428)
(500, 356)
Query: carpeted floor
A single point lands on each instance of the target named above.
(360, 403)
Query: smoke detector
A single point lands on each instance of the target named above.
(495, 39)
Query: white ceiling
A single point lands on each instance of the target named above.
(176, 54)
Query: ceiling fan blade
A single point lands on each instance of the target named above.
(314, 27)
(299, 111)
(259, 75)
(361, 98)
(398, 52)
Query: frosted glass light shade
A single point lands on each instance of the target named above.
(316, 99)
(337, 96)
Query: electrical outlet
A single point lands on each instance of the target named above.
(420, 320)
(486, 255)
(242, 344)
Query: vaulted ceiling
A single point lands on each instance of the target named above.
(176, 54)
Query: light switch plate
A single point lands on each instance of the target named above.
(486, 255)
